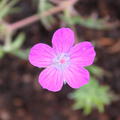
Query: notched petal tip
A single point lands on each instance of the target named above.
(52, 90)
(63, 39)
(51, 79)
(83, 54)
(76, 77)
(41, 55)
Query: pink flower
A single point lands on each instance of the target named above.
(64, 62)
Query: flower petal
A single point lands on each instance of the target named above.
(76, 76)
(41, 55)
(82, 54)
(51, 79)
(63, 40)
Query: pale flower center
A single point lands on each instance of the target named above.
(61, 61)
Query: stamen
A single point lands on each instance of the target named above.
(61, 61)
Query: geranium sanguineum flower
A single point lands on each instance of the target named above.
(63, 62)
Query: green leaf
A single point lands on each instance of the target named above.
(95, 70)
(22, 54)
(89, 22)
(1, 52)
(3, 3)
(18, 42)
(49, 20)
(6, 7)
(92, 96)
